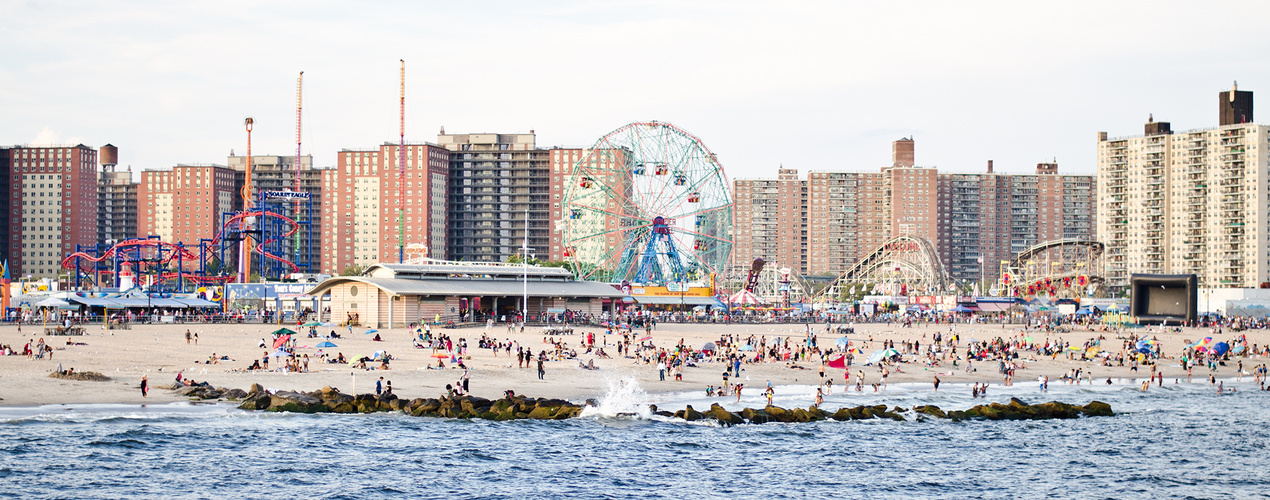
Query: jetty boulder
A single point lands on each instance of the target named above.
(1098, 409)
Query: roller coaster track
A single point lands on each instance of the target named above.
(175, 252)
(1095, 249)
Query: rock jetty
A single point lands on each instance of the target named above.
(330, 400)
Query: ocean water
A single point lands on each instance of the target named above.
(1176, 441)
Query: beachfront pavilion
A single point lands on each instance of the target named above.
(395, 295)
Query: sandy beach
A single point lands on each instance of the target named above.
(160, 351)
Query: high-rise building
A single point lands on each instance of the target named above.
(497, 181)
(771, 221)
(359, 206)
(12, 216)
(600, 236)
(116, 199)
(1188, 202)
(988, 218)
(272, 173)
(52, 205)
(185, 204)
(973, 220)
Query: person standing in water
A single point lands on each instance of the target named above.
(145, 386)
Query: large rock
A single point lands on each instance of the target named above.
(254, 390)
(283, 397)
(1098, 409)
(778, 414)
(692, 415)
(724, 417)
(234, 394)
(931, 410)
(256, 402)
(541, 413)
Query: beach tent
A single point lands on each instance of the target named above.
(709, 347)
(962, 309)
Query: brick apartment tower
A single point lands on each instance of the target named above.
(185, 204)
(359, 205)
(52, 200)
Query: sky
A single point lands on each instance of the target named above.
(816, 86)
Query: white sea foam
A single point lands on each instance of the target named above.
(624, 398)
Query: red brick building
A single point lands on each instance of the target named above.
(51, 199)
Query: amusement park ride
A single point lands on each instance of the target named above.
(648, 204)
(261, 229)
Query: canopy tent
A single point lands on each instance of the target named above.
(745, 297)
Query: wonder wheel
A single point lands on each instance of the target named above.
(648, 203)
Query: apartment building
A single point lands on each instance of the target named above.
(974, 220)
(116, 199)
(496, 181)
(359, 205)
(52, 205)
(186, 203)
(605, 188)
(770, 221)
(1188, 202)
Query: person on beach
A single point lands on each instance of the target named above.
(541, 371)
(145, 386)
(820, 398)
(379, 386)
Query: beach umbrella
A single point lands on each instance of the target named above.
(280, 353)
(1238, 349)
(281, 331)
(328, 324)
(746, 347)
(280, 340)
(313, 323)
(372, 330)
(645, 339)
(327, 344)
(882, 354)
(440, 355)
(842, 341)
(1029, 339)
(1093, 351)
(962, 309)
(855, 351)
(1221, 348)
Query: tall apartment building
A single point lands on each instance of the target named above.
(993, 216)
(116, 199)
(51, 199)
(494, 180)
(12, 216)
(770, 219)
(966, 216)
(359, 205)
(278, 173)
(1188, 202)
(185, 204)
(610, 184)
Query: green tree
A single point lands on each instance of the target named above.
(353, 270)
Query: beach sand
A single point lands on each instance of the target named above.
(160, 351)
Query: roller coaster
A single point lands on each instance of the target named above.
(169, 266)
(1060, 268)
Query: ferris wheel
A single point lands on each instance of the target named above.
(649, 204)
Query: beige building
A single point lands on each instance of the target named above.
(771, 221)
(1188, 202)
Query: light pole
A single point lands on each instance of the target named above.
(524, 263)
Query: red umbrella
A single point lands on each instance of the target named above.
(281, 340)
(646, 338)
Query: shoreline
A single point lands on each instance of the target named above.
(160, 351)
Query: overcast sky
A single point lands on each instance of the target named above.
(812, 85)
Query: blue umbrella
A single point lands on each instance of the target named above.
(1221, 348)
(372, 330)
(746, 347)
(327, 344)
(842, 341)
(329, 324)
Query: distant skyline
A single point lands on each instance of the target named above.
(822, 86)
